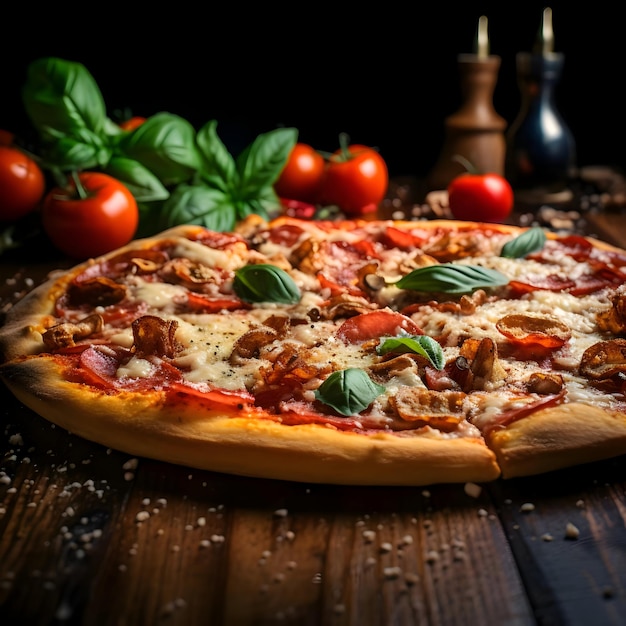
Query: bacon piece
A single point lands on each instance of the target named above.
(97, 291)
(66, 334)
(614, 319)
(290, 364)
(527, 328)
(154, 336)
(442, 410)
(604, 359)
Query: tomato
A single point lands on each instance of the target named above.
(301, 178)
(132, 122)
(355, 180)
(480, 197)
(103, 220)
(22, 184)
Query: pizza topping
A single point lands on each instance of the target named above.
(604, 359)
(154, 336)
(66, 334)
(484, 365)
(526, 328)
(186, 271)
(544, 383)
(451, 278)
(442, 410)
(97, 291)
(348, 391)
(420, 345)
(531, 240)
(263, 282)
(249, 345)
(375, 324)
(613, 320)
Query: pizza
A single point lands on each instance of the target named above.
(356, 352)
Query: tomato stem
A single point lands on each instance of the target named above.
(80, 189)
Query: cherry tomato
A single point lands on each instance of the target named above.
(132, 122)
(22, 184)
(480, 197)
(301, 178)
(355, 180)
(82, 227)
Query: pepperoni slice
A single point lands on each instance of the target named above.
(374, 324)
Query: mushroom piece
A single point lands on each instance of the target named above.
(604, 359)
(65, 335)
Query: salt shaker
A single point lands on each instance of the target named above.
(541, 150)
(475, 132)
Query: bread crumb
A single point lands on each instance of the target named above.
(473, 490)
(527, 507)
(547, 537)
(571, 532)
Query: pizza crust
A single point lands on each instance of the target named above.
(146, 425)
(558, 437)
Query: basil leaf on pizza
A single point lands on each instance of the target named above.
(528, 242)
(423, 345)
(451, 278)
(348, 391)
(263, 282)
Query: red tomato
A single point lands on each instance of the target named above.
(132, 122)
(22, 184)
(376, 324)
(82, 227)
(356, 180)
(480, 197)
(301, 178)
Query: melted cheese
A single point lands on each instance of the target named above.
(206, 341)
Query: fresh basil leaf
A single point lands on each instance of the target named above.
(348, 391)
(419, 344)
(451, 278)
(263, 282)
(531, 240)
(62, 96)
(199, 204)
(82, 151)
(217, 166)
(166, 145)
(260, 164)
(141, 182)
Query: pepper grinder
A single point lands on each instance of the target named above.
(541, 151)
(476, 131)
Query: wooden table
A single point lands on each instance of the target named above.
(91, 536)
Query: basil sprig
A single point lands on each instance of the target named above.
(531, 240)
(348, 391)
(423, 345)
(451, 278)
(176, 175)
(265, 283)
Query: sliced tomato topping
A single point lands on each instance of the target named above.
(403, 239)
(374, 324)
(202, 303)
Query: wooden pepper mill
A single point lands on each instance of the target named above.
(476, 131)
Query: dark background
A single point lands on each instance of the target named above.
(384, 73)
